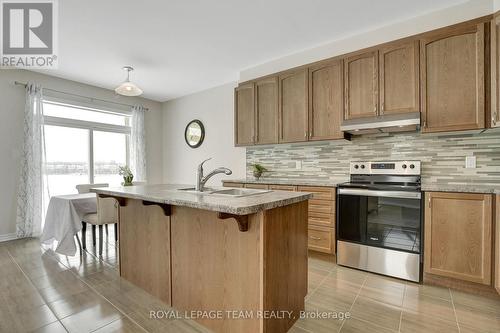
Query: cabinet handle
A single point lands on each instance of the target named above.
(305, 134)
(310, 134)
(315, 238)
(382, 108)
(429, 201)
(425, 124)
(494, 118)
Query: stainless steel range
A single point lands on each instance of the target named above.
(379, 219)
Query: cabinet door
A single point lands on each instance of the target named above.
(266, 111)
(458, 236)
(244, 116)
(361, 85)
(495, 72)
(293, 106)
(452, 74)
(399, 78)
(326, 100)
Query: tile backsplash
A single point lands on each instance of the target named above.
(442, 156)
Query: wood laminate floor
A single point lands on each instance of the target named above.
(41, 291)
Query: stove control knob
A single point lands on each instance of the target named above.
(362, 166)
(404, 166)
(412, 166)
(356, 166)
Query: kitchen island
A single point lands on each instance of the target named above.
(232, 263)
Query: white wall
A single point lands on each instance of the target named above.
(11, 133)
(438, 19)
(214, 107)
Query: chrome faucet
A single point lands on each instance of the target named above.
(201, 180)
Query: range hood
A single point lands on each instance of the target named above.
(406, 122)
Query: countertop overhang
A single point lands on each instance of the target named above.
(169, 194)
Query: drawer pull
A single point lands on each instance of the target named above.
(315, 238)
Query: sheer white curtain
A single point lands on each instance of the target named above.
(138, 144)
(30, 195)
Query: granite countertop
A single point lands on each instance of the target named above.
(290, 181)
(463, 187)
(170, 194)
(431, 187)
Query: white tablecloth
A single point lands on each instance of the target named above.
(64, 220)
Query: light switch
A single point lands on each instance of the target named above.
(298, 165)
(470, 162)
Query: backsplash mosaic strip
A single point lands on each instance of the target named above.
(442, 156)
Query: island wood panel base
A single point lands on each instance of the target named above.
(144, 234)
(216, 267)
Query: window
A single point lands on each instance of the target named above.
(83, 145)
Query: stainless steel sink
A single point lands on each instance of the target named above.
(238, 192)
(206, 190)
(231, 192)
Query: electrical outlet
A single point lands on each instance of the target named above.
(298, 165)
(470, 162)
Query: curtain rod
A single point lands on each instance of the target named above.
(17, 83)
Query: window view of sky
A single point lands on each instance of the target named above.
(68, 151)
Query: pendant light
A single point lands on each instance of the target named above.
(128, 88)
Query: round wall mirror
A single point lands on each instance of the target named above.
(194, 133)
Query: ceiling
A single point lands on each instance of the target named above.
(183, 46)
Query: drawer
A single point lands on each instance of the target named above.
(321, 220)
(257, 186)
(321, 239)
(321, 206)
(282, 187)
(321, 193)
(237, 185)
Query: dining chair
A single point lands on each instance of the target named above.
(107, 213)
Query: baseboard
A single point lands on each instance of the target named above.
(8, 237)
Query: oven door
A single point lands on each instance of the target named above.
(385, 219)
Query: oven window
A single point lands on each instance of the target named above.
(378, 221)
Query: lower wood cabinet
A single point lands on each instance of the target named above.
(321, 218)
(458, 236)
(321, 239)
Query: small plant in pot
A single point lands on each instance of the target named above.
(127, 175)
(258, 170)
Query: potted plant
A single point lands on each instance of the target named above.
(258, 170)
(127, 175)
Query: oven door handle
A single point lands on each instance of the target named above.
(375, 193)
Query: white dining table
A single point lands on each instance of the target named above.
(64, 220)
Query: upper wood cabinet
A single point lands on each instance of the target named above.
(361, 85)
(293, 105)
(244, 114)
(399, 78)
(458, 236)
(326, 100)
(495, 72)
(453, 75)
(266, 111)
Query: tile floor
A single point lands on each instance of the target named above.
(41, 291)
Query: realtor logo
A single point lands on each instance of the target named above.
(28, 33)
